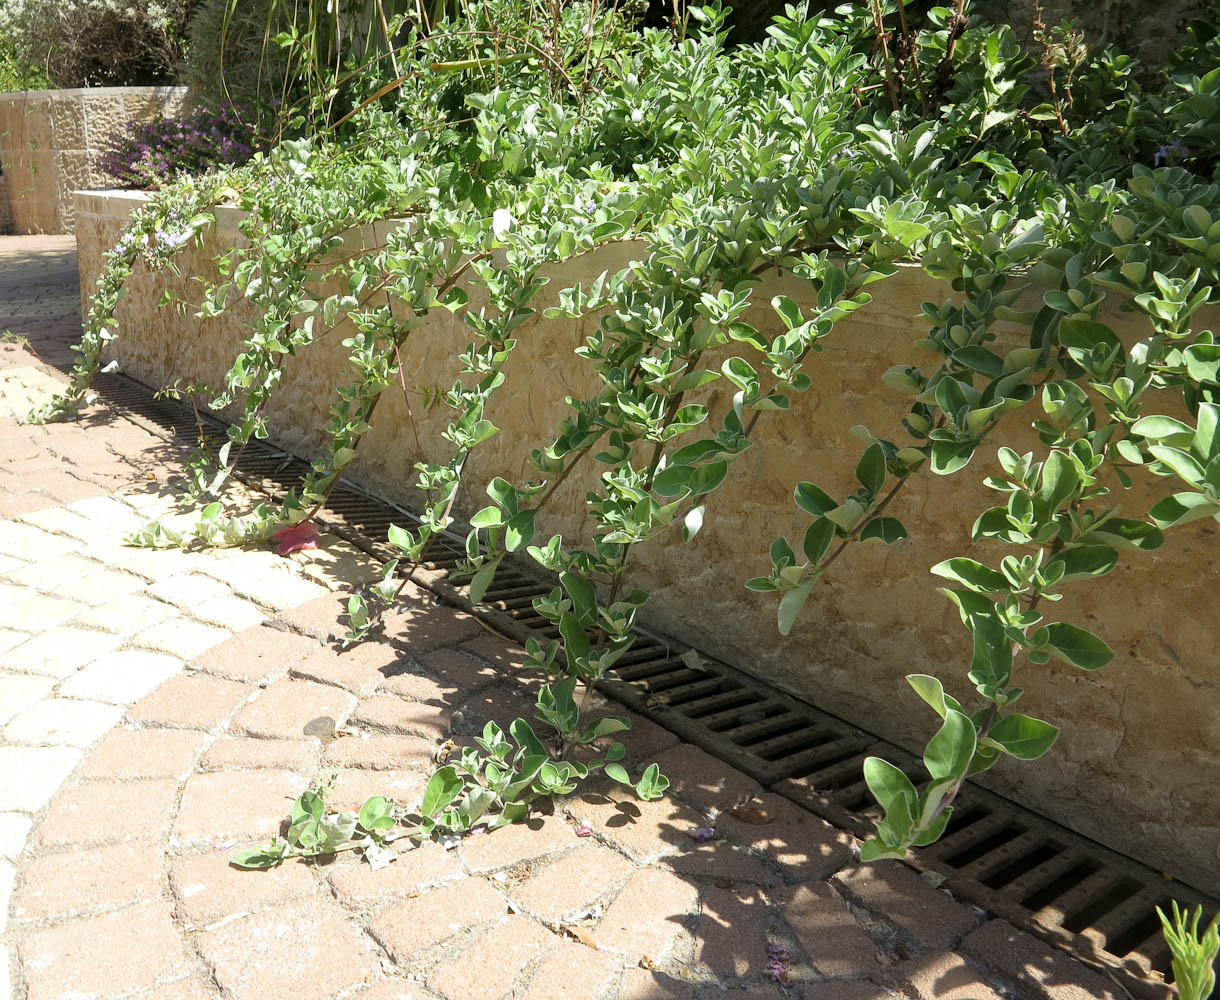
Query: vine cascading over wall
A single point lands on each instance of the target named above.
(742, 164)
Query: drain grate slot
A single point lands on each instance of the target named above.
(1063, 887)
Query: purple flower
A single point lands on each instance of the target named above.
(701, 834)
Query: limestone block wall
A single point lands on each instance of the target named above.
(1138, 763)
(49, 142)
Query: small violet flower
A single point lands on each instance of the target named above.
(701, 834)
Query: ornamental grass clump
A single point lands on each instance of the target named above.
(155, 153)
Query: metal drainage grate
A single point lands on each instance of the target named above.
(1091, 901)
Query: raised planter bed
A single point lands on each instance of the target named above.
(1139, 758)
(50, 139)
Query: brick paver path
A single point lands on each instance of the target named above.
(152, 723)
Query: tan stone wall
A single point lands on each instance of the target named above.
(1138, 764)
(49, 142)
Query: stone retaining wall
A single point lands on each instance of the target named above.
(50, 139)
(1139, 759)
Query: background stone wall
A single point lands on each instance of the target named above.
(49, 142)
(1138, 763)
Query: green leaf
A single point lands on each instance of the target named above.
(886, 529)
(443, 787)
(818, 537)
(488, 517)
(399, 537)
(974, 575)
(1078, 647)
(949, 752)
(692, 522)
(791, 603)
(482, 580)
(618, 773)
(1022, 737)
(949, 457)
(894, 792)
(375, 813)
(1086, 561)
(1059, 481)
(1158, 427)
(870, 470)
(584, 597)
(257, 858)
(931, 690)
(813, 500)
(575, 641)
(519, 529)
(1182, 508)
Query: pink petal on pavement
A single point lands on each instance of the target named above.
(294, 539)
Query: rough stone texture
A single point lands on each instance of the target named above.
(570, 966)
(143, 753)
(537, 837)
(945, 976)
(235, 804)
(490, 965)
(1034, 966)
(119, 953)
(732, 932)
(304, 950)
(239, 752)
(806, 846)
(286, 707)
(255, 654)
(405, 929)
(208, 888)
(123, 676)
(191, 700)
(569, 884)
(357, 885)
(50, 140)
(1112, 776)
(61, 721)
(29, 776)
(928, 915)
(103, 812)
(58, 885)
(834, 942)
(647, 916)
(643, 830)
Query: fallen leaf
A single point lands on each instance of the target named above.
(296, 538)
(583, 935)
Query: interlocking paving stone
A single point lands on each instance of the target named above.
(928, 915)
(255, 654)
(407, 928)
(58, 652)
(122, 676)
(59, 885)
(511, 946)
(29, 776)
(570, 968)
(834, 942)
(208, 888)
(569, 884)
(114, 954)
(647, 916)
(357, 885)
(304, 950)
(106, 812)
(58, 721)
(192, 700)
(14, 828)
(144, 753)
(284, 709)
(537, 837)
(223, 805)
(732, 932)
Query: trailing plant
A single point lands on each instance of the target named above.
(313, 832)
(496, 155)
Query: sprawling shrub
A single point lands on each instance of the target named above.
(83, 43)
(151, 154)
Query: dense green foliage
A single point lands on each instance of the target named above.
(510, 144)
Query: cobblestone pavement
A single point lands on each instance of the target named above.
(152, 723)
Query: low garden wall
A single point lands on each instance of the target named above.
(1138, 762)
(49, 142)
